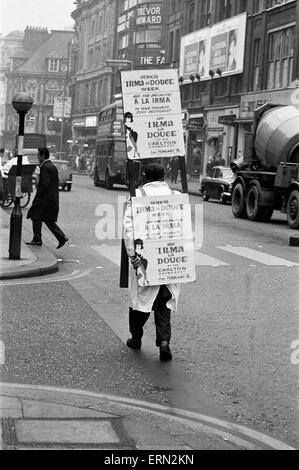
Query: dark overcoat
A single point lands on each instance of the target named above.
(45, 205)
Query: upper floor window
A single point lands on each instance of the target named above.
(281, 57)
(147, 36)
(206, 13)
(225, 9)
(258, 6)
(191, 17)
(243, 6)
(273, 3)
(257, 64)
(31, 89)
(53, 65)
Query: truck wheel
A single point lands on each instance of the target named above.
(108, 181)
(238, 202)
(266, 214)
(253, 209)
(293, 210)
(252, 204)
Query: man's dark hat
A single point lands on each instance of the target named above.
(154, 171)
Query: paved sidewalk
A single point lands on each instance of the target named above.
(35, 417)
(34, 261)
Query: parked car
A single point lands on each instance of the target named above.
(64, 173)
(218, 185)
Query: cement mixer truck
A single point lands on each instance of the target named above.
(268, 178)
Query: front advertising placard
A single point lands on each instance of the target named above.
(163, 239)
(152, 114)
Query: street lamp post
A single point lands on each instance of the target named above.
(21, 102)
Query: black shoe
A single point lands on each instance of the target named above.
(134, 343)
(34, 243)
(165, 353)
(62, 242)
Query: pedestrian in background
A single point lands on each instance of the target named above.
(144, 299)
(174, 169)
(45, 205)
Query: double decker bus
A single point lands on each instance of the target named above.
(110, 161)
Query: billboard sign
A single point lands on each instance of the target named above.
(220, 46)
(163, 231)
(62, 107)
(149, 14)
(152, 114)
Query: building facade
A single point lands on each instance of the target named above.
(92, 78)
(39, 69)
(231, 55)
(11, 50)
(235, 55)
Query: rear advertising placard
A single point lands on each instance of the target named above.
(163, 239)
(152, 114)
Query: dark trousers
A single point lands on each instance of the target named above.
(138, 319)
(52, 226)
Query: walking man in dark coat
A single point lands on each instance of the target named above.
(45, 205)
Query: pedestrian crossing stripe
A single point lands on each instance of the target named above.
(112, 252)
(204, 260)
(255, 255)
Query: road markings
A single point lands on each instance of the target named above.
(204, 260)
(258, 256)
(112, 252)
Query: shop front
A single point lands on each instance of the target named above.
(220, 136)
(195, 139)
(84, 133)
(250, 102)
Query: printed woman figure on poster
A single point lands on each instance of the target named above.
(131, 137)
(141, 270)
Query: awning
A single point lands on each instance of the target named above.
(243, 120)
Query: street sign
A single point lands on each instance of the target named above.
(62, 107)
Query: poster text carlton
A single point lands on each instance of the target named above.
(152, 113)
